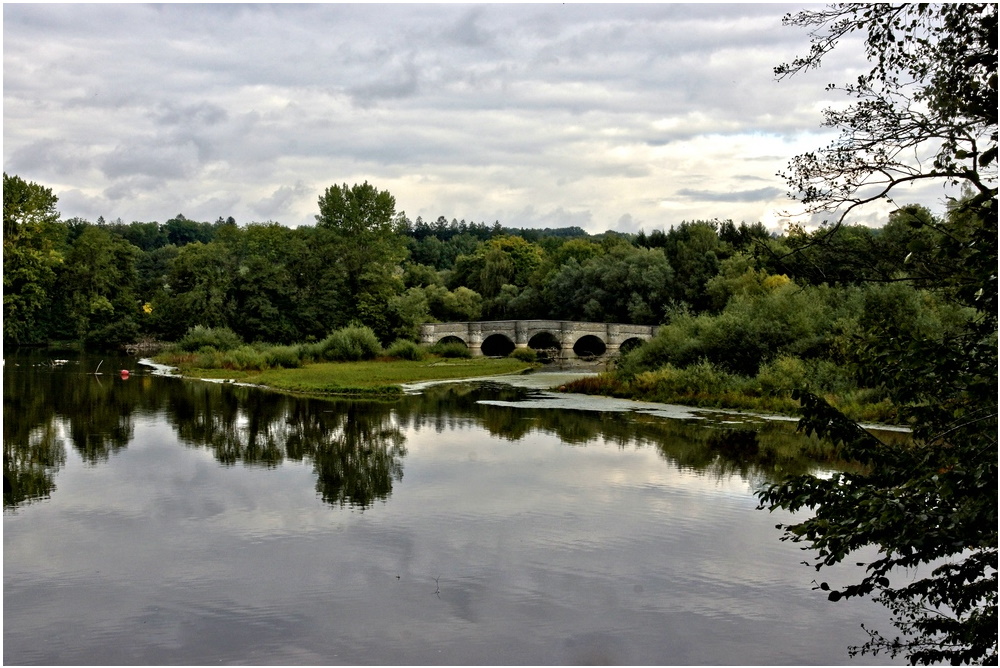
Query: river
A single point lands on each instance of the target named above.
(156, 520)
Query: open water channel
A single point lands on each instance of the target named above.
(155, 520)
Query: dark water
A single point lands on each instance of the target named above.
(161, 521)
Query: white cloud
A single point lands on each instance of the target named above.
(535, 115)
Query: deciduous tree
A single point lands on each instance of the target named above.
(366, 248)
(30, 257)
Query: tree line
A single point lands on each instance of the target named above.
(109, 284)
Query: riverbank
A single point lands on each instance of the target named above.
(741, 397)
(380, 377)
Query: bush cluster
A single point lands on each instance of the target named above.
(218, 338)
(350, 344)
(221, 348)
(451, 349)
(406, 350)
(525, 355)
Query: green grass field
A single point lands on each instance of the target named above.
(365, 378)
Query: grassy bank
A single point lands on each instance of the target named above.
(372, 377)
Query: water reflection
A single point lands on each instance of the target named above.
(48, 403)
(356, 448)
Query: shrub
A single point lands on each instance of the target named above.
(351, 344)
(453, 349)
(782, 375)
(289, 357)
(245, 358)
(311, 352)
(406, 350)
(678, 343)
(701, 379)
(208, 358)
(525, 355)
(220, 338)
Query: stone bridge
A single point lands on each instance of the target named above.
(572, 339)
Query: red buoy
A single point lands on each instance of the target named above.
(124, 374)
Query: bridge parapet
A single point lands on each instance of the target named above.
(573, 339)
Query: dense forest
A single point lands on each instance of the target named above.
(113, 283)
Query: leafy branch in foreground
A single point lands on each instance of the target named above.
(923, 504)
(926, 111)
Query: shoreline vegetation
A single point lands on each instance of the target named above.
(352, 362)
(704, 386)
(348, 362)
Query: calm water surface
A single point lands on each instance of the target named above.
(155, 520)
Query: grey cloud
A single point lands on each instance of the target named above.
(156, 159)
(467, 30)
(558, 217)
(202, 114)
(277, 205)
(626, 223)
(546, 99)
(214, 208)
(758, 195)
(400, 83)
(131, 186)
(51, 156)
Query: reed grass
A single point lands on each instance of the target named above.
(706, 386)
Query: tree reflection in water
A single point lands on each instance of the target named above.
(48, 403)
(356, 447)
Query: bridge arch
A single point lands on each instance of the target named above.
(543, 340)
(630, 344)
(547, 344)
(497, 345)
(451, 338)
(590, 345)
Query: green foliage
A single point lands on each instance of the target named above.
(350, 344)
(362, 246)
(737, 276)
(181, 231)
(783, 375)
(524, 355)
(218, 338)
(693, 250)
(406, 350)
(288, 357)
(624, 284)
(701, 378)
(199, 290)
(98, 290)
(406, 312)
(420, 275)
(245, 358)
(265, 294)
(504, 260)
(450, 350)
(458, 305)
(778, 317)
(30, 258)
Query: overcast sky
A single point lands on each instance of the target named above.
(542, 115)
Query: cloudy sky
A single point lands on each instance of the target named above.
(614, 116)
